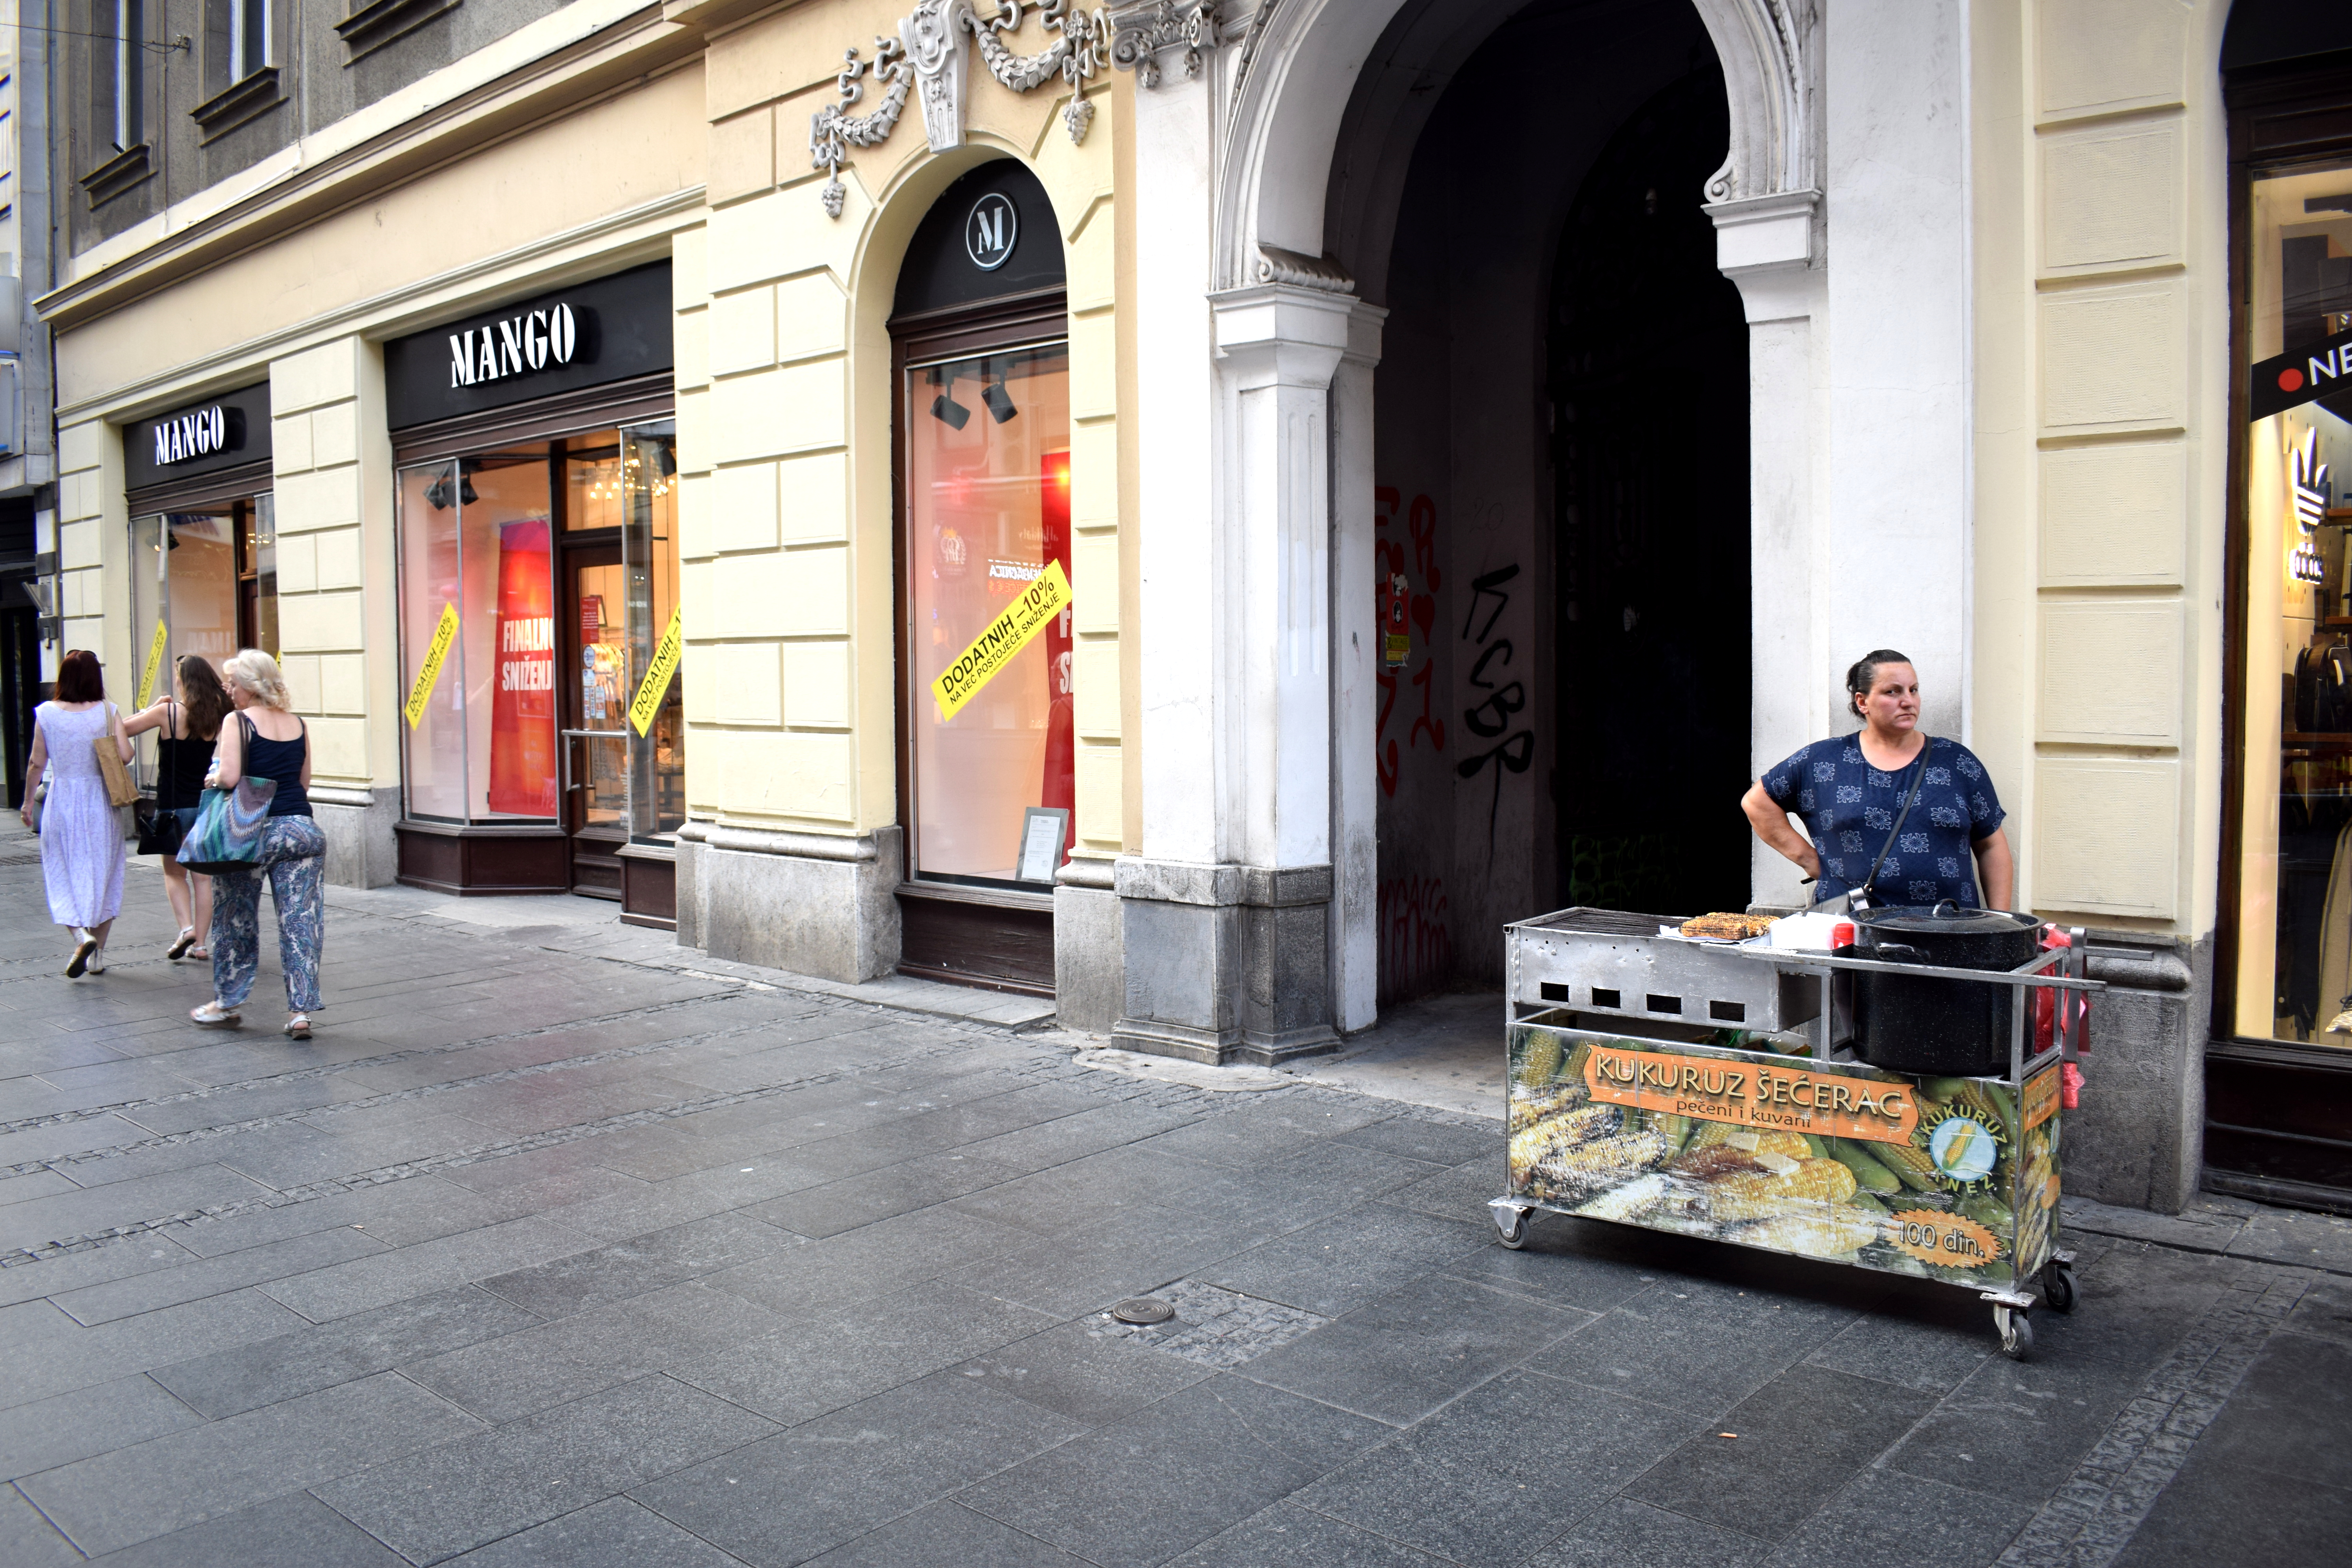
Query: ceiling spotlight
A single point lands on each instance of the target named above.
(1000, 402)
(946, 410)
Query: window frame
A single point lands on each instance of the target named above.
(2302, 92)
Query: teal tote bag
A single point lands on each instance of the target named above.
(227, 836)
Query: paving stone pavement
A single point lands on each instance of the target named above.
(560, 1244)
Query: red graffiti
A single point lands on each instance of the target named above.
(1428, 722)
(1416, 946)
(1421, 523)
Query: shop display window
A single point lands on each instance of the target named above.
(205, 581)
(555, 562)
(2295, 950)
(988, 508)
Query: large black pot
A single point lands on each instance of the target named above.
(1931, 1025)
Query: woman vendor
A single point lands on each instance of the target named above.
(1849, 791)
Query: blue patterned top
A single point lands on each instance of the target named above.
(1848, 807)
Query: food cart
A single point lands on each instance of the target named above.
(1712, 1089)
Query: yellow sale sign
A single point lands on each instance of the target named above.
(429, 674)
(655, 685)
(1045, 597)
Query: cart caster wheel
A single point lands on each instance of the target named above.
(2058, 1287)
(2016, 1332)
(1510, 1226)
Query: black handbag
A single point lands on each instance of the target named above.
(159, 828)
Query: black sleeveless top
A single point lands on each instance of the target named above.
(282, 761)
(180, 766)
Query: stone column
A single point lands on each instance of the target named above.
(1229, 953)
(1769, 246)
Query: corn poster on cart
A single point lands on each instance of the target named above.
(1709, 1090)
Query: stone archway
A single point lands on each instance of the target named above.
(1259, 873)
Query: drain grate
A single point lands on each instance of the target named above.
(1143, 1309)
(1209, 1325)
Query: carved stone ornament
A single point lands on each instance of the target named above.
(1139, 32)
(833, 130)
(937, 53)
(930, 54)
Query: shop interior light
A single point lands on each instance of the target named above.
(944, 407)
(436, 494)
(999, 401)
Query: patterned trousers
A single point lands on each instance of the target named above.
(293, 856)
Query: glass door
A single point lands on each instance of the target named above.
(595, 782)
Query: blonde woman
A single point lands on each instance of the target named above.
(266, 740)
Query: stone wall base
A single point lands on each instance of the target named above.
(1090, 948)
(805, 902)
(362, 851)
(2138, 1139)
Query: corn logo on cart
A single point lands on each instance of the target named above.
(1648, 1120)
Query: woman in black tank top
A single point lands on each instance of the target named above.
(187, 724)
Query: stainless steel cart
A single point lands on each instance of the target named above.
(1709, 1090)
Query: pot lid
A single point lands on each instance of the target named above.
(1946, 918)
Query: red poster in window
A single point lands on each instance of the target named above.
(1060, 731)
(523, 708)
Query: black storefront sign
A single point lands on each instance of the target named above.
(2302, 376)
(609, 329)
(229, 431)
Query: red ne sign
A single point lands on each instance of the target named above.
(1712, 1088)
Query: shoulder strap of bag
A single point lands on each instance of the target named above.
(1869, 887)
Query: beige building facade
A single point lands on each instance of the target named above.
(1380, 468)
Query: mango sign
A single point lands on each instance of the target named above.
(1045, 597)
(1713, 1089)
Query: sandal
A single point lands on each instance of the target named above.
(204, 953)
(213, 1016)
(97, 964)
(179, 949)
(298, 1027)
(79, 962)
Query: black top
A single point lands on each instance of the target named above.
(282, 761)
(180, 765)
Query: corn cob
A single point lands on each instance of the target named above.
(1526, 1109)
(1869, 1170)
(1912, 1165)
(1752, 1140)
(1592, 1168)
(1679, 1130)
(1564, 1129)
(1763, 1195)
(1993, 1215)
(1539, 1063)
(1630, 1200)
(1835, 1234)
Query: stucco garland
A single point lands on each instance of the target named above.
(929, 55)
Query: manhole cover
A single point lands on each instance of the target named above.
(1143, 1309)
